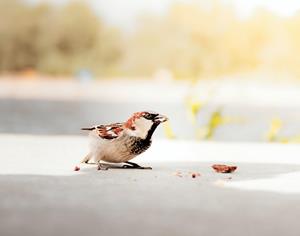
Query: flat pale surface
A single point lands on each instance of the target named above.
(40, 194)
(259, 92)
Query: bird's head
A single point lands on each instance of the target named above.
(143, 124)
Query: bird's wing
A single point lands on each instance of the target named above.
(111, 131)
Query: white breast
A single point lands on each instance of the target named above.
(112, 150)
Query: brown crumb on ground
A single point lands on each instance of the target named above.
(76, 168)
(192, 174)
(224, 168)
(195, 174)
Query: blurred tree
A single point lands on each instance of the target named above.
(281, 53)
(74, 38)
(203, 39)
(18, 33)
(55, 40)
(192, 40)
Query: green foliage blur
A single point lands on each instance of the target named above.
(190, 40)
(55, 40)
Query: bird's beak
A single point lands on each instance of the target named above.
(160, 119)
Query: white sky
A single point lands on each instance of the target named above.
(123, 12)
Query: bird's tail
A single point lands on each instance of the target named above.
(91, 128)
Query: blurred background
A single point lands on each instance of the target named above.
(223, 70)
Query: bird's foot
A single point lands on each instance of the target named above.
(135, 166)
(102, 167)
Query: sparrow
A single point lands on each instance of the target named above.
(121, 142)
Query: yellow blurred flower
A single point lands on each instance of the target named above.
(168, 131)
(193, 108)
(215, 121)
(275, 127)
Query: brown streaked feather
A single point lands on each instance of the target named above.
(130, 122)
(111, 131)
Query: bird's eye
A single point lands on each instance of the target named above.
(150, 116)
(147, 116)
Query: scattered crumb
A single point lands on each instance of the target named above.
(224, 168)
(76, 168)
(195, 174)
(178, 173)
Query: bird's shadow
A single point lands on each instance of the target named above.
(88, 168)
(245, 171)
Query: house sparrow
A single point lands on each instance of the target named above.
(121, 142)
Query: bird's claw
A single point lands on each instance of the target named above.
(101, 167)
(146, 167)
(136, 167)
(126, 166)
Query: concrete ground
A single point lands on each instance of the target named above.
(40, 194)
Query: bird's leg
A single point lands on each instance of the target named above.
(86, 158)
(102, 166)
(133, 165)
